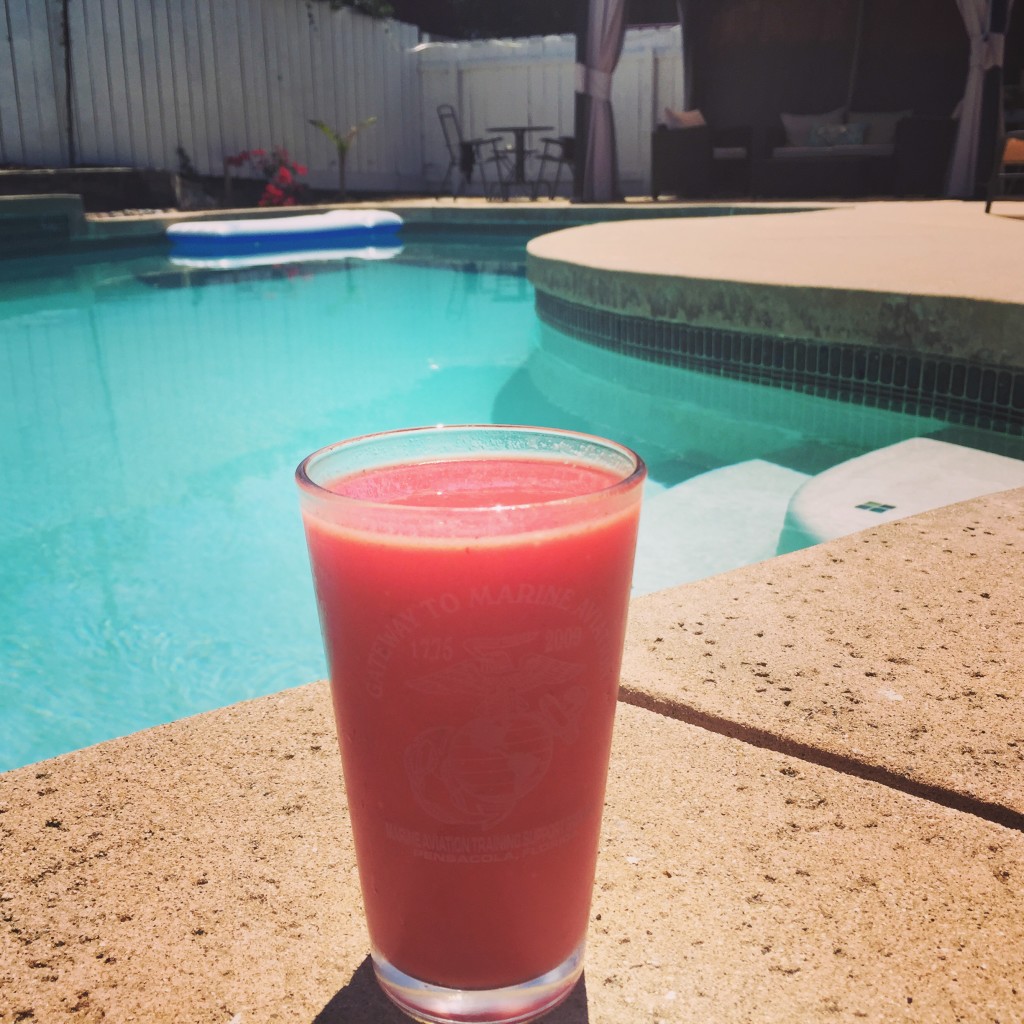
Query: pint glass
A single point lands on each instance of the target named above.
(472, 585)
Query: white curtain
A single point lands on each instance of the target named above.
(986, 53)
(606, 28)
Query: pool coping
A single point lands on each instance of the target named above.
(64, 222)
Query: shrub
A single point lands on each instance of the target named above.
(282, 174)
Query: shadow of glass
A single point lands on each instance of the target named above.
(362, 1002)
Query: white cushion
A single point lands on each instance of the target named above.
(798, 126)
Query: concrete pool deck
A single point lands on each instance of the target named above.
(815, 813)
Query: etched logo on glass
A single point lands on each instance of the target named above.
(522, 701)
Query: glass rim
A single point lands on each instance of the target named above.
(310, 487)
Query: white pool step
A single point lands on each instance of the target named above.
(892, 483)
(711, 523)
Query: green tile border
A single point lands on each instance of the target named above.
(955, 391)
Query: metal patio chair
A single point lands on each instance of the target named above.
(559, 152)
(465, 155)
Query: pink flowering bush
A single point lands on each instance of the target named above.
(282, 174)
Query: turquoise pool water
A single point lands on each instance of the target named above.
(151, 418)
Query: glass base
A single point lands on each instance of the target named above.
(515, 1004)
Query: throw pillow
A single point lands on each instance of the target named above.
(836, 135)
(798, 126)
(1013, 151)
(684, 118)
(880, 126)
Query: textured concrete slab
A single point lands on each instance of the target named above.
(203, 872)
(853, 245)
(894, 653)
(767, 889)
(937, 277)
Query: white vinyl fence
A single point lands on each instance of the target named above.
(212, 77)
(153, 82)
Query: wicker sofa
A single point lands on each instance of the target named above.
(699, 161)
(896, 153)
(893, 153)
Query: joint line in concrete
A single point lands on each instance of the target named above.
(962, 802)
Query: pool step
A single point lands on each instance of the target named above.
(891, 483)
(711, 523)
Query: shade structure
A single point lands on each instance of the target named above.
(978, 33)
(599, 40)
(600, 32)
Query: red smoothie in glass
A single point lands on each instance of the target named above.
(474, 680)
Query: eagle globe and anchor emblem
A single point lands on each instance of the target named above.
(475, 773)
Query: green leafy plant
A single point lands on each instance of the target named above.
(342, 143)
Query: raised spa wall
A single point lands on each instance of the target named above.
(911, 307)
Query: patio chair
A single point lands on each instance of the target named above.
(558, 152)
(698, 160)
(1008, 173)
(465, 155)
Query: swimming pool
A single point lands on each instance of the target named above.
(151, 417)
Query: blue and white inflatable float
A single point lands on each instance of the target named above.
(335, 230)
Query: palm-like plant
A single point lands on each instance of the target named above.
(342, 143)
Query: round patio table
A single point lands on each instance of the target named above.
(519, 133)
